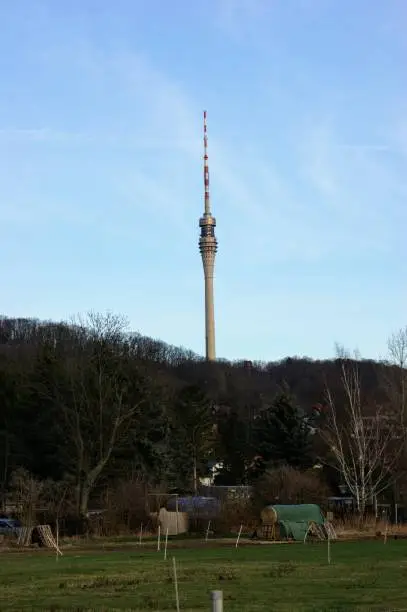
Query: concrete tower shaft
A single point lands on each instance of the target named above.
(208, 246)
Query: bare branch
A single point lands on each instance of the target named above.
(364, 443)
(100, 398)
(396, 381)
(397, 345)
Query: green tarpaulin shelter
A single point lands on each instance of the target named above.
(293, 520)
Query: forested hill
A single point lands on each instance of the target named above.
(91, 403)
(237, 384)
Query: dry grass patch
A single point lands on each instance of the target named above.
(353, 528)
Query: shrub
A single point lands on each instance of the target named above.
(286, 485)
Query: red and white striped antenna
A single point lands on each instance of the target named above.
(206, 170)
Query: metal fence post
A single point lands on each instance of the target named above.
(217, 601)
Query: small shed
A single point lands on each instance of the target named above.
(175, 522)
(293, 521)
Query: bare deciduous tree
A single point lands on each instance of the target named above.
(364, 441)
(25, 493)
(396, 385)
(57, 497)
(101, 398)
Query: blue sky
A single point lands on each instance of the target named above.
(101, 182)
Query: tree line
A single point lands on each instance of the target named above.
(87, 404)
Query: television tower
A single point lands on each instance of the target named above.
(208, 245)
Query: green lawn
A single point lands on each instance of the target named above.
(362, 576)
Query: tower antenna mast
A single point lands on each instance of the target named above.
(206, 170)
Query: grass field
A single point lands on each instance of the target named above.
(362, 576)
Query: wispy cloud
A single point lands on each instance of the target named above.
(21, 134)
(364, 147)
(357, 182)
(167, 120)
(107, 139)
(249, 195)
(234, 17)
